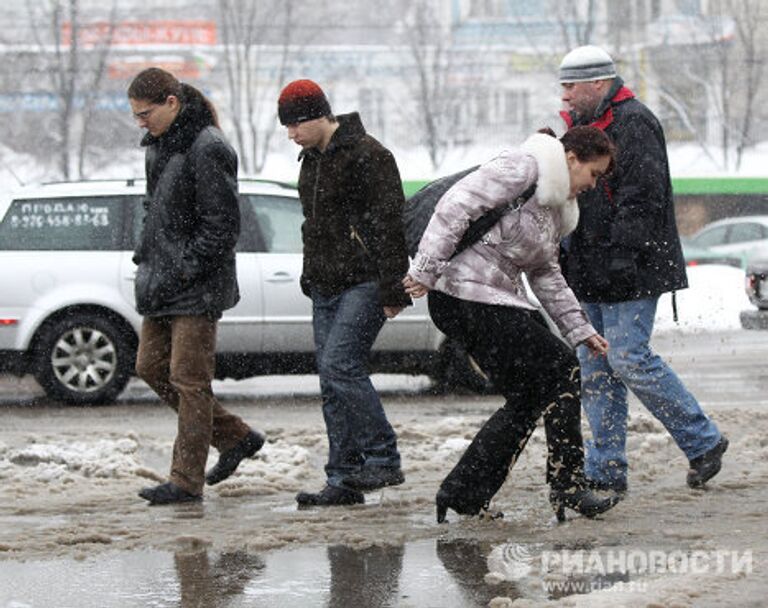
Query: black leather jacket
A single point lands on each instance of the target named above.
(185, 255)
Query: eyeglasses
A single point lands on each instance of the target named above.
(144, 114)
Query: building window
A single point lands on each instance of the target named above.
(655, 9)
(689, 7)
(484, 9)
(480, 111)
(516, 108)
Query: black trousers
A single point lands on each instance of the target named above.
(536, 373)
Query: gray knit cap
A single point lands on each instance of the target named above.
(586, 63)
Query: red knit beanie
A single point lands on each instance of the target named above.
(302, 100)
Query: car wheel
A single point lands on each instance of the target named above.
(456, 372)
(83, 359)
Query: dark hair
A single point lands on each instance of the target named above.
(587, 143)
(155, 85)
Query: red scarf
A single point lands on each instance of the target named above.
(607, 117)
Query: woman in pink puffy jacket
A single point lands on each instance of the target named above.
(478, 298)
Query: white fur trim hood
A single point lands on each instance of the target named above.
(554, 183)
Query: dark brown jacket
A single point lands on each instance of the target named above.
(352, 198)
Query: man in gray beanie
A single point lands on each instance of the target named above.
(623, 255)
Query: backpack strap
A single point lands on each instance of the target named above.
(482, 225)
(675, 318)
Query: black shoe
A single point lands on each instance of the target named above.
(580, 500)
(229, 460)
(330, 496)
(168, 493)
(369, 479)
(706, 466)
(617, 485)
(444, 501)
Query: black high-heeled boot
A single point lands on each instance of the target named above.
(581, 500)
(445, 501)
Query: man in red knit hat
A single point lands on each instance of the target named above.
(354, 260)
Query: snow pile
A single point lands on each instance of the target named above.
(62, 462)
(712, 302)
(279, 466)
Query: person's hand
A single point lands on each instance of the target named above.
(597, 344)
(392, 311)
(413, 288)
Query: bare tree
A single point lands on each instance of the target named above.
(430, 51)
(99, 56)
(65, 70)
(252, 74)
(720, 79)
(75, 74)
(576, 21)
(750, 15)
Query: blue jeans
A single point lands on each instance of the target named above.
(359, 434)
(632, 364)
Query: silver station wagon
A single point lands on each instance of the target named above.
(67, 311)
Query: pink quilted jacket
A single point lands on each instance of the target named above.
(523, 241)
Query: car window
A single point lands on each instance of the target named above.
(63, 224)
(711, 237)
(278, 220)
(741, 233)
(267, 223)
(137, 217)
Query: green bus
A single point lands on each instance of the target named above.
(699, 200)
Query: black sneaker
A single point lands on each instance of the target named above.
(706, 466)
(369, 479)
(229, 460)
(168, 493)
(330, 496)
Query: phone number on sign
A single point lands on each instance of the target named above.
(60, 220)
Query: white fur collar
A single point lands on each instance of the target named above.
(554, 183)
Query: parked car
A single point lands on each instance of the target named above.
(756, 284)
(696, 256)
(67, 305)
(744, 236)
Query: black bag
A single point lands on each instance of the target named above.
(419, 208)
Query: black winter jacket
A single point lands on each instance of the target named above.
(626, 246)
(185, 255)
(352, 199)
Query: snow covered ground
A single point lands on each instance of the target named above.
(712, 302)
(69, 476)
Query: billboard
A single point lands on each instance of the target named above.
(142, 33)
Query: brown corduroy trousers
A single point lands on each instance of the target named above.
(176, 357)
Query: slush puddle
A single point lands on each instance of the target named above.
(441, 573)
